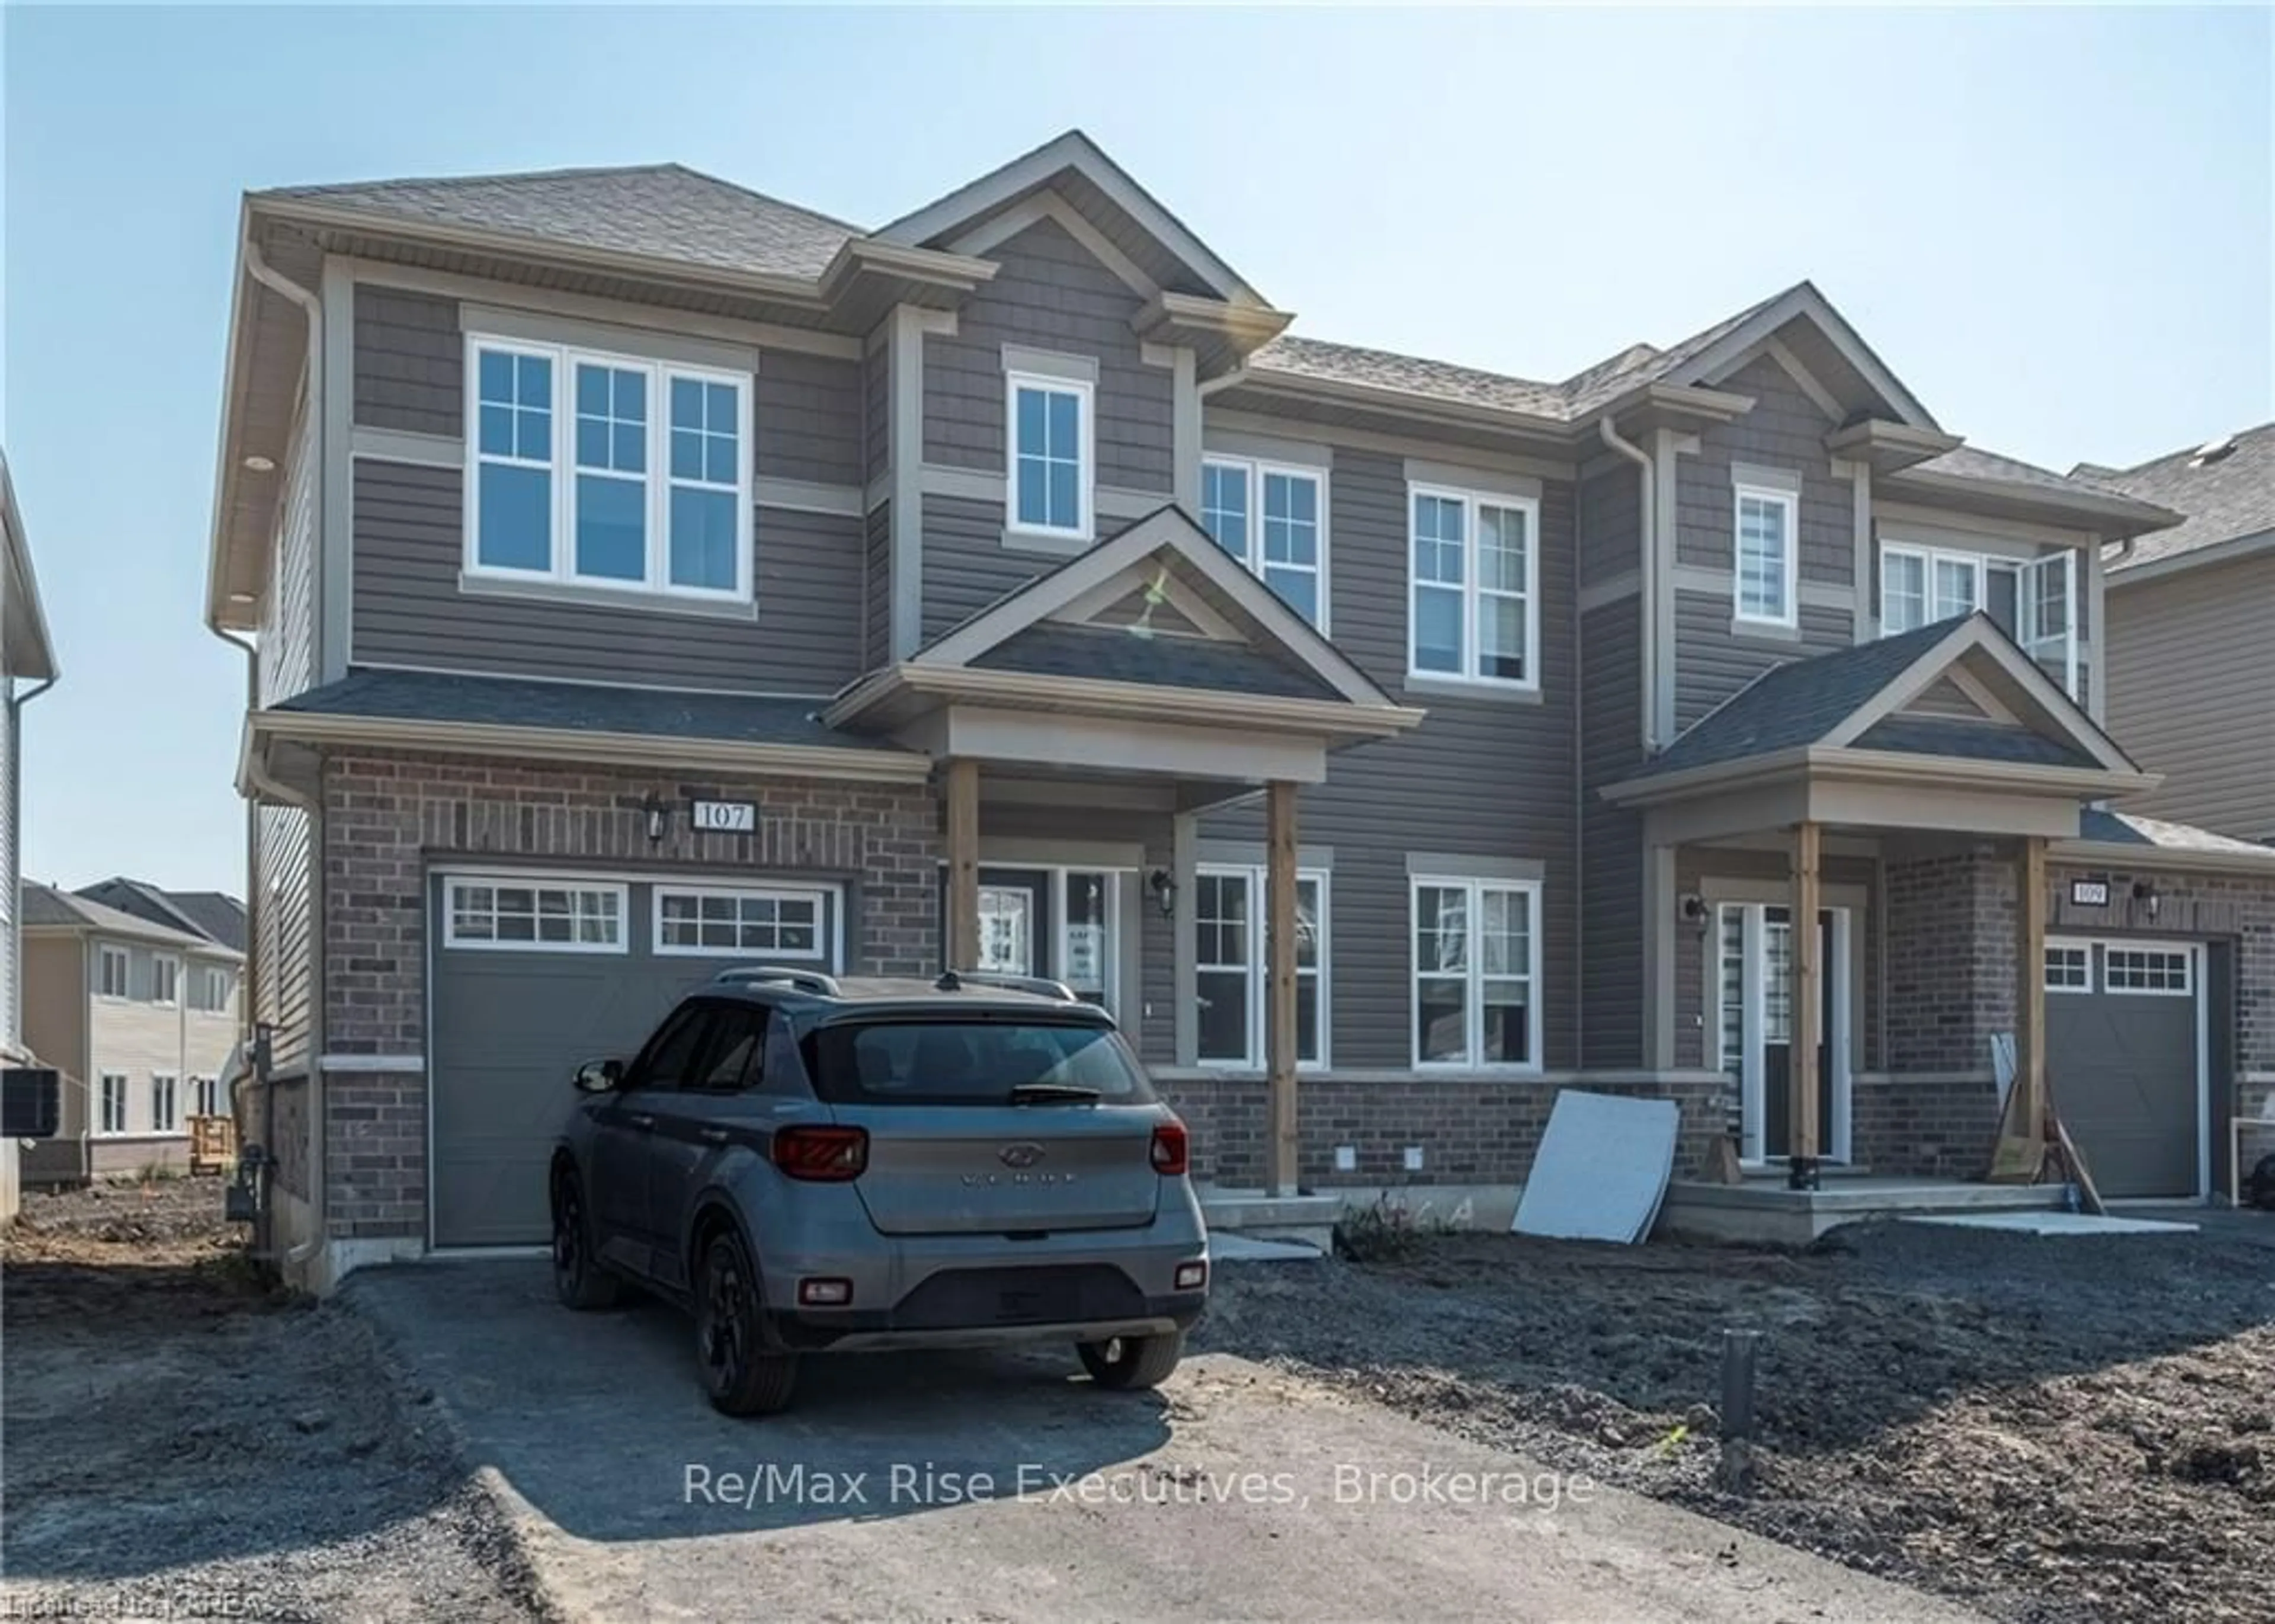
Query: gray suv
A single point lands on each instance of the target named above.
(809, 1164)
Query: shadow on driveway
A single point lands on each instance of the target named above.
(599, 1422)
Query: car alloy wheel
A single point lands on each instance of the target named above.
(578, 1281)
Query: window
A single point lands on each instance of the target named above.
(1231, 966)
(2068, 969)
(210, 988)
(2049, 618)
(783, 923)
(1050, 459)
(504, 915)
(1477, 972)
(736, 1056)
(205, 1096)
(110, 972)
(671, 1055)
(1767, 522)
(1475, 614)
(950, 1060)
(162, 1119)
(1920, 585)
(1273, 521)
(165, 979)
(110, 1103)
(639, 480)
(2145, 969)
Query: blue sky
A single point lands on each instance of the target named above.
(2054, 224)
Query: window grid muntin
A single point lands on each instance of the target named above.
(1453, 537)
(2068, 968)
(710, 921)
(1766, 581)
(1230, 943)
(489, 914)
(2167, 972)
(1273, 518)
(1057, 472)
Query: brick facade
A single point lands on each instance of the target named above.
(389, 816)
(1951, 930)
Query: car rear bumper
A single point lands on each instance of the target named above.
(872, 1331)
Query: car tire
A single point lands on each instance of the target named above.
(578, 1279)
(740, 1375)
(1125, 1363)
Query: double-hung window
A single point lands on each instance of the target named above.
(205, 1096)
(1231, 965)
(165, 979)
(611, 471)
(110, 1103)
(1767, 525)
(1477, 972)
(110, 972)
(1475, 609)
(1273, 520)
(163, 1091)
(1050, 463)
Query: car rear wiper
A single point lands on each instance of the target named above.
(1049, 1093)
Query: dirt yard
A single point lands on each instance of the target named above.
(182, 1443)
(2047, 1428)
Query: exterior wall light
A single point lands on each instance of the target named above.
(1164, 886)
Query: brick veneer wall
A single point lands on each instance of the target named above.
(388, 816)
(1470, 1132)
(1924, 1126)
(1950, 959)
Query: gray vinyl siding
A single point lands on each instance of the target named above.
(283, 885)
(288, 615)
(410, 611)
(1485, 777)
(1694, 1035)
(808, 418)
(2191, 690)
(876, 411)
(1611, 526)
(1611, 839)
(410, 362)
(966, 566)
(1713, 662)
(1048, 294)
(877, 587)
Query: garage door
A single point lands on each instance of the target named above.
(534, 975)
(2122, 1061)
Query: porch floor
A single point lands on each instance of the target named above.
(1761, 1209)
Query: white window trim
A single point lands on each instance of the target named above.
(103, 1087)
(1473, 1038)
(199, 1084)
(2185, 955)
(563, 468)
(1740, 493)
(1255, 470)
(218, 987)
(819, 895)
(171, 1083)
(456, 883)
(105, 953)
(1260, 968)
(2064, 945)
(158, 962)
(1085, 472)
(1470, 500)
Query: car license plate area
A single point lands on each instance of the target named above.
(1047, 1294)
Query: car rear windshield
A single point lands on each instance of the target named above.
(971, 1061)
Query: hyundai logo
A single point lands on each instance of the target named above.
(1021, 1155)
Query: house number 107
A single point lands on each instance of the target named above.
(726, 817)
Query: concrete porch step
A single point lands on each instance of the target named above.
(1308, 1220)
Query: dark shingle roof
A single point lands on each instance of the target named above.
(1117, 654)
(575, 707)
(1988, 467)
(1795, 704)
(1971, 741)
(46, 905)
(2223, 495)
(211, 914)
(662, 210)
(2156, 834)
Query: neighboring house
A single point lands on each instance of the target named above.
(647, 575)
(2192, 632)
(26, 657)
(214, 915)
(139, 1018)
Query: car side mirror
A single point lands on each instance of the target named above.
(598, 1077)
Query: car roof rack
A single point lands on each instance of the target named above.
(804, 980)
(1042, 986)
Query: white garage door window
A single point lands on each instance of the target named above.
(2147, 970)
(513, 915)
(785, 924)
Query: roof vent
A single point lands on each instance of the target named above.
(2212, 452)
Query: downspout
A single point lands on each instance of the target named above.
(1647, 576)
(312, 422)
(16, 704)
(253, 968)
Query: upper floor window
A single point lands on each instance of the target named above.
(1475, 612)
(210, 988)
(110, 972)
(1273, 521)
(1767, 525)
(1050, 463)
(639, 478)
(165, 979)
(2032, 600)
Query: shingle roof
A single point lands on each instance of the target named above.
(1117, 654)
(1967, 463)
(2131, 829)
(1970, 741)
(1795, 704)
(46, 905)
(211, 914)
(663, 210)
(215, 913)
(2223, 495)
(574, 707)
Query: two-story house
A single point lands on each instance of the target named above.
(138, 1018)
(641, 574)
(2191, 660)
(27, 669)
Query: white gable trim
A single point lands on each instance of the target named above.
(1136, 579)
(1075, 151)
(1728, 353)
(1166, 530)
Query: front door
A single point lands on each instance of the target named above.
(1755, 942)
(1015, 921)
(1053, 922)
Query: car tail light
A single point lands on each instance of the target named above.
(1192, 1276)
(823, 1291)
(822, 1155)
(1170, 1155)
